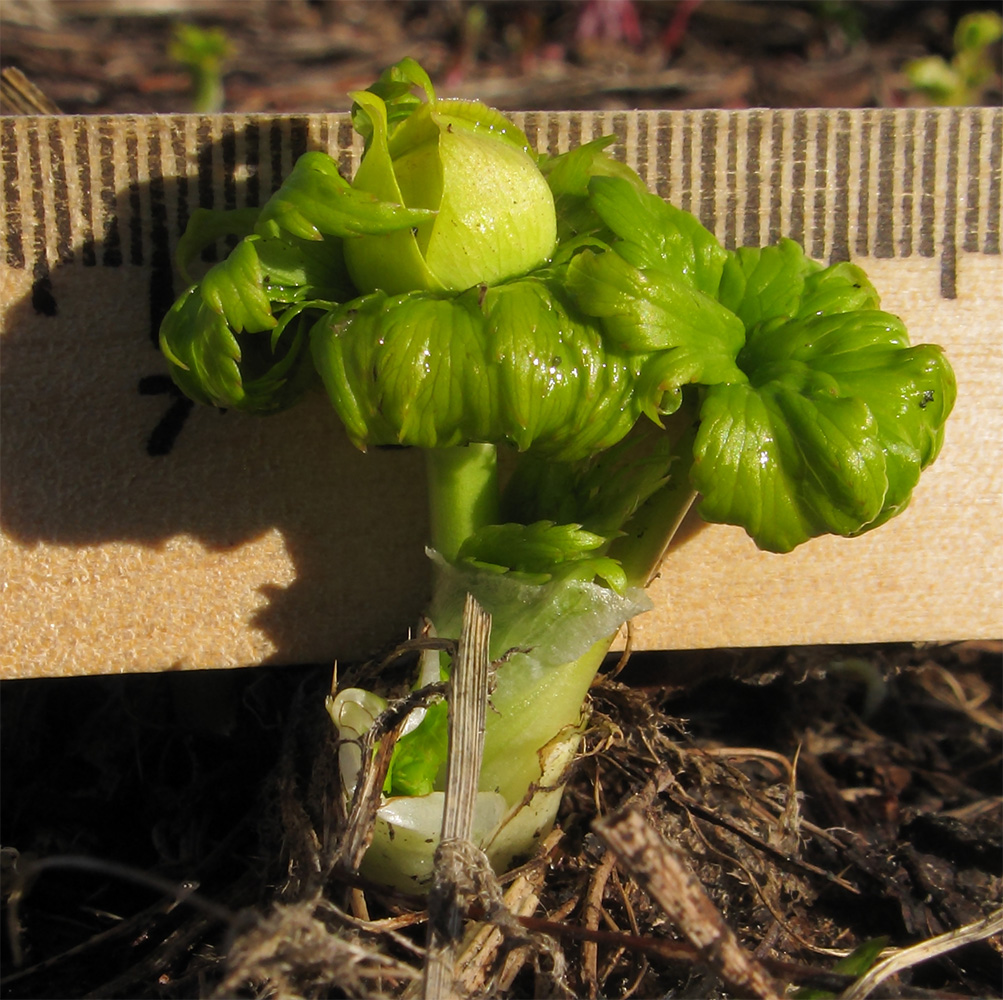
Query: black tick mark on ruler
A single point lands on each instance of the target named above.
(162, 437)
(43, 301)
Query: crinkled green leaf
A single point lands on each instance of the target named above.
(568, 176)
(235, 339)
(760, 283)
(542, 551)
(211, 365)
(645, 310)
(294, 270)
(601, 492)
(205, 227)
(840, 414)
(788, 460)
(654, 291)
(508, 364)
(234, 289)
(841, 288)
(202, 351)
(316, 201)
(561, 389)
(651, 233)
(396, 89)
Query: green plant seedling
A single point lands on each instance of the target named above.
(469, 298)
(962, 81)
(202, 52)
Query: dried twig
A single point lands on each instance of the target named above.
(663, 872)
(592, 910)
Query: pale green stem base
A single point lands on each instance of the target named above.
(527, 712)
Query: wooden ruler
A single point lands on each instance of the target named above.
(139, 533)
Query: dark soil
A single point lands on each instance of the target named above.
(837, 797)
(820, 808)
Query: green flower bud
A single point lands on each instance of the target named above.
(495, 216)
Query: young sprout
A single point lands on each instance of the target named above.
(202, 52)
(608, 345)
(963, 80)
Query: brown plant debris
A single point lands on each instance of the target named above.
(797, 827)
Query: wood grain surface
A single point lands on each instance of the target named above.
(138, 533)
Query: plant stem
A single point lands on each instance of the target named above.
(463, 493)
(649, 531)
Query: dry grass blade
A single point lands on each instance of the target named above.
(455, 855)
(905, 958)
(663, 872)
(19, 96)
(483, 942)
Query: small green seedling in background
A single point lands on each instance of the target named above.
(858, 963)
(202, 52)
(962, 81)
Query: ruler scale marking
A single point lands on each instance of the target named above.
(251, 133)
(60, 193)
(862, 221)
(133, 196)
(884, 239)
(299, 138)
(646, 150)
(43, 299)
(275, 144)
(799, 141)
(776, 177)
(663, 154)
(949, 245)
(750, 214)
(708, 171)
(820, 131)
(928, 213)
(82, 150)
(206, 170)
(14, 250)
(635, 147)
(228, 144)
(994, 209)
(970, 243)
(907, 200)
(554, 134)
(162, 293)
(894, 217)
(110, 238)
(179, 142)
(345, 134)
(841, 202)
(685, 198)
(324, 134)
(731, 167)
